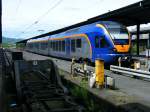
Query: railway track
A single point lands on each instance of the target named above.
(41, 95)
(125, 84)
(39, 87)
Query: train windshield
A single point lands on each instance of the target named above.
(118, 33)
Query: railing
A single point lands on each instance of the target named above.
(131, 72)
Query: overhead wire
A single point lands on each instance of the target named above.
(41, 17)
(18, 6)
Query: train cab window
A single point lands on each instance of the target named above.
(96, 42)
(73, 46)
(78, 43)
(100, 42)
(103, 43)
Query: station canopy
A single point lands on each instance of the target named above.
(135, 14)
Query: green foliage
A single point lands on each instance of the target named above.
(6, 45)
(134, 48)
(82, 93)
(21, 45)
(10, 40)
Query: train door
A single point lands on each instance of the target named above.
(79, 47)
(68, 47)
(101, 47)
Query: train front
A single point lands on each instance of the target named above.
(120, 39)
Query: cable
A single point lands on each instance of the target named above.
(41, 17)
(17, 8)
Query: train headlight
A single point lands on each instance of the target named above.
(114, 49)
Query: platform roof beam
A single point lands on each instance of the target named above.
(138, 36)
(0, 22)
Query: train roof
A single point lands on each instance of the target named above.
(78, 30)
(42, 39)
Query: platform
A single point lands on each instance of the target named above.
(132, 94)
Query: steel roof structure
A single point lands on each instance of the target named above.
(138, 13)
(134, 14)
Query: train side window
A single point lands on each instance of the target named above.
(57, 45)
(63, 45)
(29, 45)
(78, 43)
(54, 45)
(103, 42)
(51, 44)
(37, 45)
(96, 42)
(73, 45)
(60, 46)
(45, 45)
(42, 46)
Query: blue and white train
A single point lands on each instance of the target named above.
(105, 40)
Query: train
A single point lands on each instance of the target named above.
(105, 40)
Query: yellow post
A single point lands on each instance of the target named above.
(119, 61)
(99, 70)
(72, 63)
(137, 65)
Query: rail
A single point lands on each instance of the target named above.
(39, 83)
(131, 72)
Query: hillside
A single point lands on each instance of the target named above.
(10, 40)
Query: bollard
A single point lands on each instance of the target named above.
(99, 70)
(119, 61)
(72, 63)
(85, 68)
(137, 65)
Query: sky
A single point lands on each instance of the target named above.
(28, 18)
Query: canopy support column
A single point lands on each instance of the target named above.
(138, 36)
